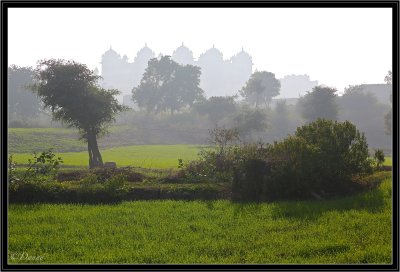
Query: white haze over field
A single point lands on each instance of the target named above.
(335, 46)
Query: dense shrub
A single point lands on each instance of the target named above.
(321, 158)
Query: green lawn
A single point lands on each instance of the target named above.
(341, 231)
(146, 156)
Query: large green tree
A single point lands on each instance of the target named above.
(319, 103)
(167, 85)
(260, 88)
(70, 90)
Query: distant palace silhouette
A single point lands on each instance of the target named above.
(219, 76)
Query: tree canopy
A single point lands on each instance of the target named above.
(69, 89)
(319, 103)
(260, 88)
(167, 85)
(216, 107)
(249, 121)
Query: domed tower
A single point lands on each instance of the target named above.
(211, 56)
(140, 64)
(183, 55)
(212, 76)
(241, 69)
(144, 55)
(242, 61)
(110, 65)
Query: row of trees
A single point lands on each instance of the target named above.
(70, 92)
(169, 86)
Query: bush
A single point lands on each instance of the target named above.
(216, 163)
(322, 157)
(249, 181)
(43, 167)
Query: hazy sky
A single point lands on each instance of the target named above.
(335, 46)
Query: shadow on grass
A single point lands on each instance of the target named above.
(372, 201)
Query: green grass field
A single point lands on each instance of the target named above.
(388, 161)
(27, 140)
(348, 230)
(146, 156)
(118, 146)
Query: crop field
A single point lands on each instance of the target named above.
(117, 147)
(342, 231)
(28, 140)
(146, 156)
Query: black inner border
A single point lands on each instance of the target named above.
(394, 5)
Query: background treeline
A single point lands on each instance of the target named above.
(170, 108)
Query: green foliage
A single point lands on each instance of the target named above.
(364, 110)
(379, 158)
(216, 107)
(167, 85)
(214, 164)
(319, 103)
(221, 137)
(70, 90)
(43, 167)
(250, 121)
(349, 230)
(116, 184)
(260, 88)
(321, 157)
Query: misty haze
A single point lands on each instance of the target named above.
(260, 147)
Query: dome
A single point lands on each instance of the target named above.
(111, 54)
(241, 57)
(144, 54)
(212, 53)
(183, 55)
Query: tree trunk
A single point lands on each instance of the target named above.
(95, 159)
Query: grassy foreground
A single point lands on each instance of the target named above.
(347, 230)
(146, 156)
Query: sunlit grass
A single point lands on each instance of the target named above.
(388, 161)
(146, 156)
(341, 231)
